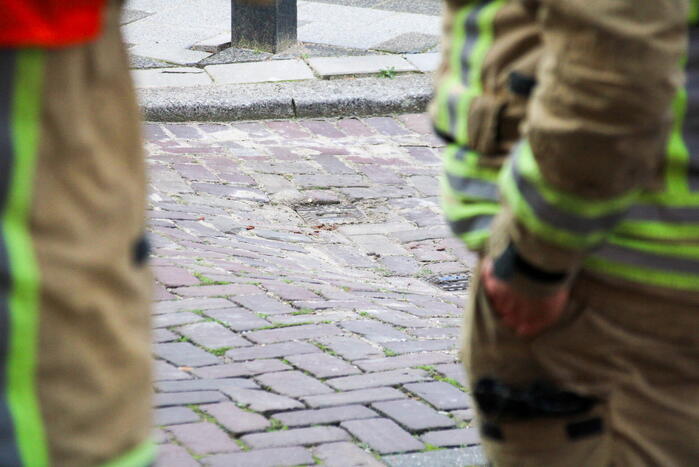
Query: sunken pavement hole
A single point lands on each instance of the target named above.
(451, 282)
(330, 215)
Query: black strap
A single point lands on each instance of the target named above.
(521, 84)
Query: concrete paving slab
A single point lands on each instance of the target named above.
(151, 31)
(129, 16)
(327, 67)
(426, 63)
(259, 72)
(167, 53)
(214, 44)
(410, 42)
(170, 77)
(341, 25)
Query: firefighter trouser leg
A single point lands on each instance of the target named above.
(614, 382)
(74, 290)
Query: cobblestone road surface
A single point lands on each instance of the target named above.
(295, 318)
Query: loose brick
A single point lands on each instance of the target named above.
(388, 378)
(383, 435)
(414, 415)
(450, 438)
(441, 395)
(362, 396)
(261, 458)
(345, 454)
(293, 384)
(323, 365)
(296, 437)
(184, 354)
(262, 401)
(204, 438)
(325, 416)
(235, 419)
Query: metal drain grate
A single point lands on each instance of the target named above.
(451, 282)
(330, 215)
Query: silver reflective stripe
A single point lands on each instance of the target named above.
(690, 125)
(555, 217)
(471, 224)
(644, 259)
(473, 187)
(9, 454)
(472, 30)
(461, 154)
(659, 213)
(453, 111)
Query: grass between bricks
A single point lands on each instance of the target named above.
(431, 447)
(203, 280)
(219, 352)
(284, 325)
(389, 353)
(325, 349)
(436, 375)
(303, 311)
(276, 425)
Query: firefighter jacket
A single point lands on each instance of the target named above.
(573, 128)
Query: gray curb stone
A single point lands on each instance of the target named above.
(306, 99)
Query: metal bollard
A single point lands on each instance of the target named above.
(267, 25)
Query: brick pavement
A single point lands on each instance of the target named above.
(295, 318)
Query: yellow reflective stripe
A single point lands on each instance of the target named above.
(22, 393)
(642, 275)
(657, 230)
(475, 66)
(540, 227)
(464, 163)
(141, 456)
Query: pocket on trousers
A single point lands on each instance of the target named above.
(495, 350)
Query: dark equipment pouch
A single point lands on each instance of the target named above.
(500, 401)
